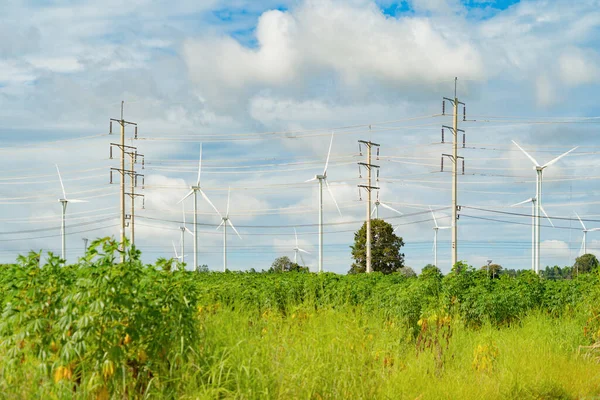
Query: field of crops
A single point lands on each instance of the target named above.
(100, 329)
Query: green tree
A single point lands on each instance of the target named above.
(585, 263)
(385, 249)
(493, 270)
(284, 264)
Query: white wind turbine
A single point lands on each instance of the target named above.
(298, 251)
(194, 191)
(64, 201)
(224, 221)
(583, 249)
(379, 203)
(436, 228)
(532, 200)
(177, 256)
(539, 169)
(323, 178)
(184, 229)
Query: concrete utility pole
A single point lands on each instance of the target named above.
(122, 171)
(454, 157)
(368, 188)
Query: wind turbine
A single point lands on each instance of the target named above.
(64, 201)
(379, 203)
(436, 228)
(585, 231)
(298, 250)
(194, 191)
(539, 169)
(184, 229)
(532, 200)
(177, 256)
(323, 178)
(224, 221)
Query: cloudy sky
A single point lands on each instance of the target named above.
(263, 84)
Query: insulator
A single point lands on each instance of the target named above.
(359, 150)
(110, 156)
(110, 129)
(464, 113)
(111, 180)
(359, 171)
(143, 203)
(464, 140)
(377, 173)
(135, 134)
(443, 135)
(359, 195)
(442, 164)
(143, 162)
(443, 107)
(378, 153)
(463, 166)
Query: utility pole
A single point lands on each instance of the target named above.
(122, 171)
(369, 166)
(454, 157)
(85, 242)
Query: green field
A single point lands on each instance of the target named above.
(100, 329)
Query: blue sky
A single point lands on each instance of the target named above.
(221, 71)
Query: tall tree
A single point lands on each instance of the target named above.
(585, 263)
(385, 249)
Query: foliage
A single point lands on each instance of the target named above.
(105, 329)
(284, 264)
(585, 263)
(493, 270)
(385, 249)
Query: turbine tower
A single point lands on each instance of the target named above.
(539, 169)
(298, 251)
(436, 228)
(194, 191)
(583, 249)
(184, 229)
(323, 178)
(224, 221)
(64, 201)
(532, 200)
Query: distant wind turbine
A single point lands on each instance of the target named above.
(323, 178)
(224, 221)
(194, 191)
(298, 251)
(184, 229)
(436, 228)
(382, 204)
(539, 169)
(64, 201)
(583, 249)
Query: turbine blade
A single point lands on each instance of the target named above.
(582, 245)
(310, 180)
(390, 208)
(328, 154)
(374, 209)
(296, 235)
(302, 259)
(444, 227)
(581, 222)
(221, 224)
(593, 230)
(303, 251)
(523, 202)
(175, 249)
(191, 192)
(527, 154)
(199, 166)
(61, 182)
(547, 217)
(188, 231)
(332, 197)
(183, 213)
(549, 163)
(433, 215)
(228, 193)
(233, 227)
(209, 202)
(77, 201)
